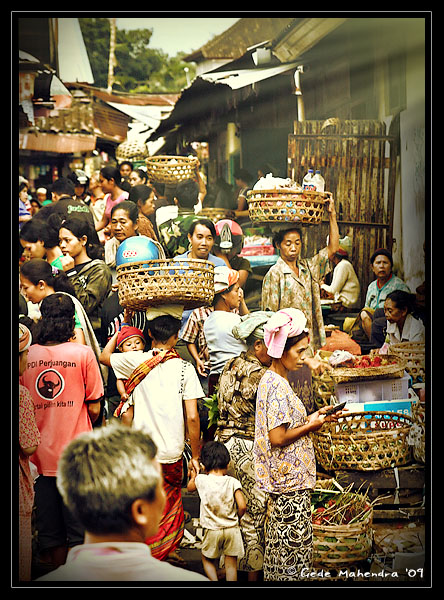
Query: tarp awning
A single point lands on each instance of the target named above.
(240, 78)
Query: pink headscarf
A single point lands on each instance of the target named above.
(285, 323)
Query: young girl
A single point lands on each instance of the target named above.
(83, 264)
(222, 503)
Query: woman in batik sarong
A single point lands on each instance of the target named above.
(285, 463)
(235, 428)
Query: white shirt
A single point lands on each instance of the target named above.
(221, 343)
(218, 508)
(158, 407)
(344, 285)
(170, 212)
(117, 561)
(413, 331)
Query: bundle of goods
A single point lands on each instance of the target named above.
(342, 525)
(349, 367)
(323, 384)
(131, 150)
(146, 278)
(171, 169)
(364, 441)
(414, 355)
(274, 199)
(257, 245)
(215, 214)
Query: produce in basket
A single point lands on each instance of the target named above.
(339, 506)
(369, 366)
(342, 520)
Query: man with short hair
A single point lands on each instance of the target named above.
(66, 205)
(173, 222)
(111, 480)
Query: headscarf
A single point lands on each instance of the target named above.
(172, 310)
(224, 278)
(285, 323)
(252, 324)
(25, 338)
(127, 332)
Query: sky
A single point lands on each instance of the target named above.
(174, 34)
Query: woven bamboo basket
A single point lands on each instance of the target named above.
(171, 169)
(417, 433)
(286, 206)
(167, 281)
(414, 355)
(215, 214)
(343, 545)
(364, 441)
(343, 374)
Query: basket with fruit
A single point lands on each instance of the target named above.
(369, 366)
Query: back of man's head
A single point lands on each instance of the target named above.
(187, 193)
(63, 187)
(102, 472)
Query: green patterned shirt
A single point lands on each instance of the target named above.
(282, 288)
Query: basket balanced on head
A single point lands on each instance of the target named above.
(171, 169)
(286, 205)
(146, 280)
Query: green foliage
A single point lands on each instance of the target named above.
(213, 409)
(138, 68)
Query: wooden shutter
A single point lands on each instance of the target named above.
(358, 162)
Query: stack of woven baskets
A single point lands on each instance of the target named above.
(188, 282)
(365, 441)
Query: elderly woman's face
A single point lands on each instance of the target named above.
(393, 314)
(293, 359)
(290, 247)
(233, 297)
(121, 225)
(381, 266)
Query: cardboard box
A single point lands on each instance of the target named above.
(399, 406)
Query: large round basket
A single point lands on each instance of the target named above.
(414, 355)
(390, 371)
(365, 441)
(282, 205)
(215, 214)
(131, 150)
(171, 169)
(167, 281)
(343, 545)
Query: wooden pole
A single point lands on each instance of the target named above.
(112, 58)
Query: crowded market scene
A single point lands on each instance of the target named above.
(222, 301)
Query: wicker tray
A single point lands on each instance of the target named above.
(169, 281)
(285, 206)
(171, 169)
(343, 374)
(343, 545)
(414, 355)
(364, 441)
(215, 214)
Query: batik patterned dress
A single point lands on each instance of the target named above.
(287, 474)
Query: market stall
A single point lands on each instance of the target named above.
(377, 448)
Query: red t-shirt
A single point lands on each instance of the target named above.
(60, 378)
